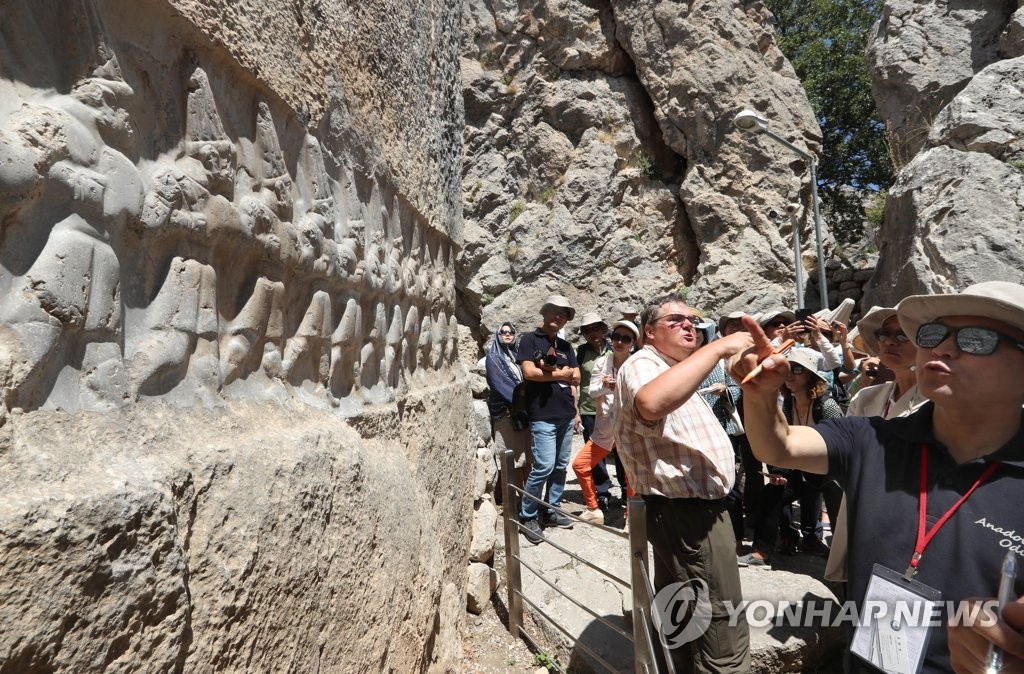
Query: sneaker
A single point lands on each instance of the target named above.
(751, 559)
(554, 519)
(594, 516)
(531, 530)
(815, 546)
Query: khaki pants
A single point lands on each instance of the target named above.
(693, 539)
(506, 437)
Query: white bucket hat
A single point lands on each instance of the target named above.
(998, 300)
(590, 318)
(629, 325)
(731, 316)
(871, 323)
(809, 359)
(560, 302)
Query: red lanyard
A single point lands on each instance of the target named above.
(925, 537)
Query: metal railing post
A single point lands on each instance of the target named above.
(510, 514)
(643, 656)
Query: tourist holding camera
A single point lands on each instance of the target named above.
(551, 372)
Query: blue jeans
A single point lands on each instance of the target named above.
(551, 448)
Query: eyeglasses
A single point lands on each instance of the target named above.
(796, 368)
(506, 332)
(899, 336)
(616, 337)
(969, 339)
(676, 320)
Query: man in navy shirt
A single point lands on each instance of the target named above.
(959, 460)
(551, 373)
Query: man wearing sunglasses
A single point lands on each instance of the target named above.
(934, 498)
(678, 456)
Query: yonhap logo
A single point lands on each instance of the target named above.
(682, 612)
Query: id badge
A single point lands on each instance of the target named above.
(896, 619)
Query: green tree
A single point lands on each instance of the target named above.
(825, 41)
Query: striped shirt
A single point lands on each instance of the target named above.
(686, 454)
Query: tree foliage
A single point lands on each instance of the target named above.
(825, 41)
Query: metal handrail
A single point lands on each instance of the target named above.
(649, 589)
(643, 646)
(574, 601)
(577, 642)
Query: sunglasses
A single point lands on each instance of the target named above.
(676, 320)
(796, 368)
(969, 339)
(506, 332)
(616, 337)
(777, 324)
(899, 336)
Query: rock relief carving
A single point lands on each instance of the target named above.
(208, 265)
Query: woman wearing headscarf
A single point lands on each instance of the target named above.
(503, 375)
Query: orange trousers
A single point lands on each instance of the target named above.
(583, 465)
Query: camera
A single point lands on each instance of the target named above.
(548, 359)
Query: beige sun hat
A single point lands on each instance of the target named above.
(871, 323)
(856, 342)
(809, 359)
(558, 301)
(998, 300)
(590, 318)
(724, 320)
(769, 316)
(629, 325)
(841, 313)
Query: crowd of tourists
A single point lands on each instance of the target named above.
(901, 435)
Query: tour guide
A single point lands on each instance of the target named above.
(678, 456)
(934, 497)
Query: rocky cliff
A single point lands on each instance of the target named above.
(949, 79)
(601, 161)
(233, 430)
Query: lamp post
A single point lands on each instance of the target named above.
(751, 122)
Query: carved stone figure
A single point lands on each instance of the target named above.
(259, 322)
(307, 354)
(345, 342)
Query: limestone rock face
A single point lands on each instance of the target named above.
(922, 54)
(955, 213)
(233, 424)
(961, 224)
(601, 161)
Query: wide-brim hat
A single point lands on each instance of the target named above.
(731, 316)
(871, 323)
(809, 358)
(841, 313)
(708, 328)
(560, 302)
(629, 325)
(590, 318)
(998, 300)
(769, 316)
(856, 342)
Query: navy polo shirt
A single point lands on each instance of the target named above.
(548, 401)
(878, 463)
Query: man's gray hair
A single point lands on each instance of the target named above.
(650, 312)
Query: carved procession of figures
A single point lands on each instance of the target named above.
(208, 267)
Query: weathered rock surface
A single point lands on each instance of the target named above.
(263, 538)
(948, 80)
(601, 161)
(234, 432)
(922, 54)
(961, 223)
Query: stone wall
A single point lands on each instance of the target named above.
(234, 426)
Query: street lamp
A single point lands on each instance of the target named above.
(751, 122)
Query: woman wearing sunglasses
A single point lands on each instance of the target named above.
(601, 442)
(880, 329)
(503, 375)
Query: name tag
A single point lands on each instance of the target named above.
(897, 615)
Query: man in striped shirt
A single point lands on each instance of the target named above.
(679, 458)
